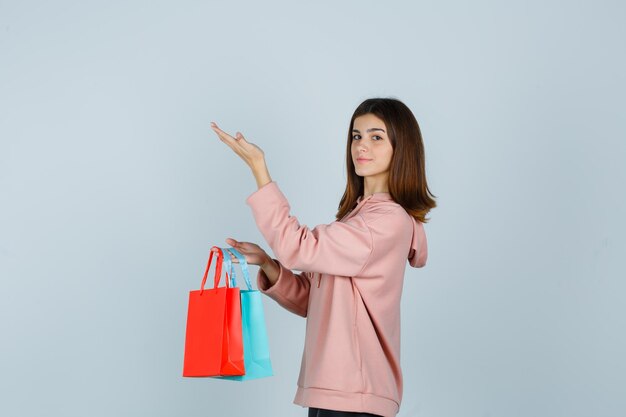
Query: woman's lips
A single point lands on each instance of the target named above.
(362, 161)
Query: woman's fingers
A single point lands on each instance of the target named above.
(234, 244)
(225, 137)
(252, 253)
(238, 139)
(234, 144)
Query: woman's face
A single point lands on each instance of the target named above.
(370, 143)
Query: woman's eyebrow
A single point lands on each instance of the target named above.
(370, 130)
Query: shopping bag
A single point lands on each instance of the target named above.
(213, 339)
(255, 341)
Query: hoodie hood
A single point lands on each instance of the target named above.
(418, 253)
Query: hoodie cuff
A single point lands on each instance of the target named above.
(287, 291)
(262, 193)
(264, 284)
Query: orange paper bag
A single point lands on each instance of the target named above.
(213, 340)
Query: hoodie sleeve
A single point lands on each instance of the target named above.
(291, 290)
(418, 253)
(338, 248)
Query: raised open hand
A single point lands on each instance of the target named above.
(249, 152)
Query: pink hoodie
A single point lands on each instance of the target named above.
(350, 295)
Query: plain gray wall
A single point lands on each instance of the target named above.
(113, 188)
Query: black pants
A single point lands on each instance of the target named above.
(320, 412)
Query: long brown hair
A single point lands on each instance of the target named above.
(407, 174)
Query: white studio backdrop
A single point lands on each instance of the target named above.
(113, 188)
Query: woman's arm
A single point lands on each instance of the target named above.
(338, 248)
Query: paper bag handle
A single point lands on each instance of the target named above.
(242, 262)
(218, 269)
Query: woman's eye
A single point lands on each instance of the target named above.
(355, 137)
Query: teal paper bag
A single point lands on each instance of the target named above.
(256, 352)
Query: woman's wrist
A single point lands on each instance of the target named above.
(268, 263)
(271, 269)
(261, 173)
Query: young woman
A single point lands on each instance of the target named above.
(353, 268)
